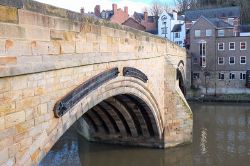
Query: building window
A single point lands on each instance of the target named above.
(231, 45)
(203, 54)
(231, 76)
(208, 32)
(177, 35)
(242, 60)
(243, 45)
(221, 32)
(221, 76)
(242, 76)
(197, 33)
(164, 30)
(231, 60)
(230, 21)
(220, 60)
(196, 76)
(220, 46)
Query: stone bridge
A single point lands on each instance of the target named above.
(58, 67)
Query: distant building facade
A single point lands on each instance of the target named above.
(220, 57)
(230, 15)
(172, 27)
(115, 15)
(134, 24)
(149, 22)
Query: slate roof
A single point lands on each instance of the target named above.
(219, 23)
(108, 14)
(140, 16)
(245, 28)
(232, 12)
(177, 28)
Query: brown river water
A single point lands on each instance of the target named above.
(221, 137)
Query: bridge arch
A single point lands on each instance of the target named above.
(111, 111)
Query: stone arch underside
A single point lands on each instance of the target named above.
(181, 76)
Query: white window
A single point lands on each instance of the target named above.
(243, 45)
(203, 54)
(242, 60)
(220, 60)
(208, 32)
(242, 76)
(231, 76)
(221, 76)
(231, 60)
(196, 76)
(197, 33)
(177, 35)
(231, 45)
(220, 46)
(230, 21)
(221, 32)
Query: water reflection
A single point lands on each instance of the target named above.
(220, 137)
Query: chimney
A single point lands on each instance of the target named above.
(126, 10)
(175, 14)
(114, 7)
(82, 10)
(146, 16)
(97, 11)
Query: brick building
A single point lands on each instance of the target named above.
(220, 57)
(134, 24)
(116, 15)
(230, 15)
(149, 22)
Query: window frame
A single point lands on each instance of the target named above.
(211, 32)
(245, 45)
(221, 30)
(231, 76)
(223, 44)
(221, 78)
(229, 60)
(230, 45)
(178, 36)
(245, 60)
(219, 61)
(242, 76)
(197, 30)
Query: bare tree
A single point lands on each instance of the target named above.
(156, 8)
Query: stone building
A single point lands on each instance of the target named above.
(220, 57)
(172, 27)
(116, 15)
(230, 15)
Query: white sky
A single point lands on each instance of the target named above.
(89, 5)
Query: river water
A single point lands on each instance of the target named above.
(221, 137)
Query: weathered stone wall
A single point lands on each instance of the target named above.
(45, 52)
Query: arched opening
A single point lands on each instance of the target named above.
(180, 76)
(122, 119)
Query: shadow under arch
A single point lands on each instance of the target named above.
(181, 76)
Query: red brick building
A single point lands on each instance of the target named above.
(149, 22)
(134, 24)
(115, 15)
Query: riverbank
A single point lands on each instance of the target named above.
(238, 98)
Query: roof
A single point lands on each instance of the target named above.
(135, 22)
(177, 28)
(245, 28)
(213, 13)
(219, 23)
(140, 16)
(108, 14)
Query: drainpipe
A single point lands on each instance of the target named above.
(216, 61)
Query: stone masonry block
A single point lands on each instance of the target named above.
(8, 14)
(6, 60)
(37, 33)
(11, 31)
(4, 156)
(14, 118)
(32, 18)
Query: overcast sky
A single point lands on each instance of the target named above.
(75, 5)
